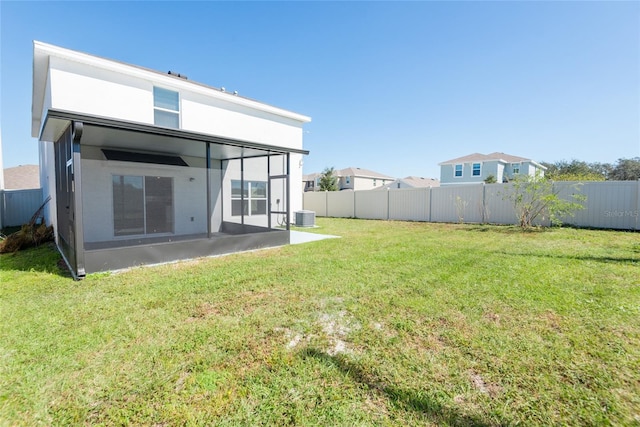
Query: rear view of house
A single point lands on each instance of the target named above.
(147, 167)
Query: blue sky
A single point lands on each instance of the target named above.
(396, 87)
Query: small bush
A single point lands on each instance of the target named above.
(29, 235)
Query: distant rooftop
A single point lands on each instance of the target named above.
(22, 177)
(478, 157)
(364, 173)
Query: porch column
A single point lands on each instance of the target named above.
(242, 188)
(269, 191)
(208, 162)
(76, 191)
(288, 191)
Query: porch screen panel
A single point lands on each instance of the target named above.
(237, 194)
(128, 205)
(159, 204)
(250, 200)
(258, 198)
(65, 197)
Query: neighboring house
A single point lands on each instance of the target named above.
(412, 182)
(349, 179)
(311, 182)
(475, 168)
(22, 177)
(361, 179)
(148, 167)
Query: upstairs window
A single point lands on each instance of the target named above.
(347, 180)
(515, 168)
(476, 169)
(166, 108)
(457, 171)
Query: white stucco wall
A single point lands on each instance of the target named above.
(48, 181)
(95, 90)
(218, 117)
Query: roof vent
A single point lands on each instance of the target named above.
(173, 73)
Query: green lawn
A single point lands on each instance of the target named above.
(393, 324)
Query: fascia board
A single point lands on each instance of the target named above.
(163, 79)
(538, 165)
(61, 118)
(39, 84)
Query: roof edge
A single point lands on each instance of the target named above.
(157, 130)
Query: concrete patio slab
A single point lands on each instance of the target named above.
(297, 237)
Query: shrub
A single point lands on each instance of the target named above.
(534, 197)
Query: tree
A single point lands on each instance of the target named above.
(535, 197)
(626, 170)
(328, 181)
(576, 170)
(490, 180)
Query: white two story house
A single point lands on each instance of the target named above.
(148, 167)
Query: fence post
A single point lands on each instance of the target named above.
(326, 203)
(484, 206)
(430, 202)
(354, 204)
(638, 206)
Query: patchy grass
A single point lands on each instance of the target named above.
(395, 323)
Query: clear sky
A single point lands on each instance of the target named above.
(395, 87)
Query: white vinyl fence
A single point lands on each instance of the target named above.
(18, 206)
(610, 204)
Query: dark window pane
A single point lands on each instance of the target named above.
(159, 203)
(236, 207)
(128, 205)
(258, 207)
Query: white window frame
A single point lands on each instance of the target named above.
(455, 172)
(515, 168)
(473, 169)
(347, 180)
(249, 197)
(168, 110)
